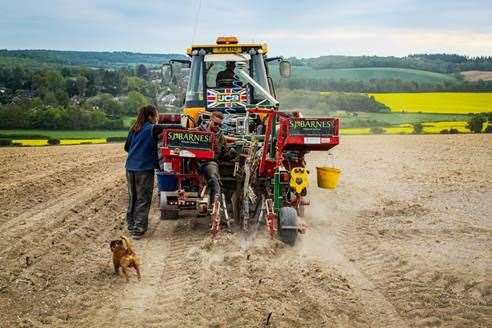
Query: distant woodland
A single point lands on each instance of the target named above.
(49, 89)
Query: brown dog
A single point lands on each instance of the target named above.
(124, 256)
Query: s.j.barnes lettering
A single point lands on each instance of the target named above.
(310, 126)
(189, 139)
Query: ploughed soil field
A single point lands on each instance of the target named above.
(405, 241)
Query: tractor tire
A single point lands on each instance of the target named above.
(288, 225)
(169, 214)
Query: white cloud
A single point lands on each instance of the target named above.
(379, 41)
(292, 28)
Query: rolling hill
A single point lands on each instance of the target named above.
(327, 73)
(367, 74)
(104, 59)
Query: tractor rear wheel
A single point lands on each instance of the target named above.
(288, 225)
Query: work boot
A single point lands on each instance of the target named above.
(137, 233)
(137, 237)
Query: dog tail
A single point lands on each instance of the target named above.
(128, 244)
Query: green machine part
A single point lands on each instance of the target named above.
(273, 141)
(277, 195)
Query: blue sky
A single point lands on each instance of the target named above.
(292, 28)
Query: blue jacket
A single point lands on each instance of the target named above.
(142, 149)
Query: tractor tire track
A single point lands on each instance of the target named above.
(43, 191)
(378, 307)
(72, 167)
(157, 300)
(26, 162)
(176, 279)
(137, 295)
(363, 261)
(54, 214)
(413, 239)
(424, 294)
(44, 264)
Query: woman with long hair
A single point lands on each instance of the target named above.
(142, 159)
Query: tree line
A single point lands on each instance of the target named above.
(439, 63)
(98, 59)
(72, 97)
(383, 85)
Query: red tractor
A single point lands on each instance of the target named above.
(265, 180)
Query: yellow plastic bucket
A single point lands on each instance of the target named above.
(328, 177)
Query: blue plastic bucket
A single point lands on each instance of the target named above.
(166, 181)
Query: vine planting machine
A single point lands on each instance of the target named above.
(263, 172)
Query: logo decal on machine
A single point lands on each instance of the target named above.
(311, 127)
(227, 98)
(189, 139)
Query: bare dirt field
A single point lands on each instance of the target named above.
(477, 75)
(405, 241)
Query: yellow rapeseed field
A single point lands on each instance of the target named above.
(437, 102)
(31, 142)
(428, 127)
(436, 127)
(81, 141)
(355, 131)
(44, 142)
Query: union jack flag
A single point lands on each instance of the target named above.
(227, 98)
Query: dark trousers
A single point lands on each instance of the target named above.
(140, 188)
(211, 172)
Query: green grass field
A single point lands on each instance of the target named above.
(64, 134)
(437, 102)
(370, 73)
(128, 120)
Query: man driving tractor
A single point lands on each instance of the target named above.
(225, 78)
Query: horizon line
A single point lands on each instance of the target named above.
(184, 54)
